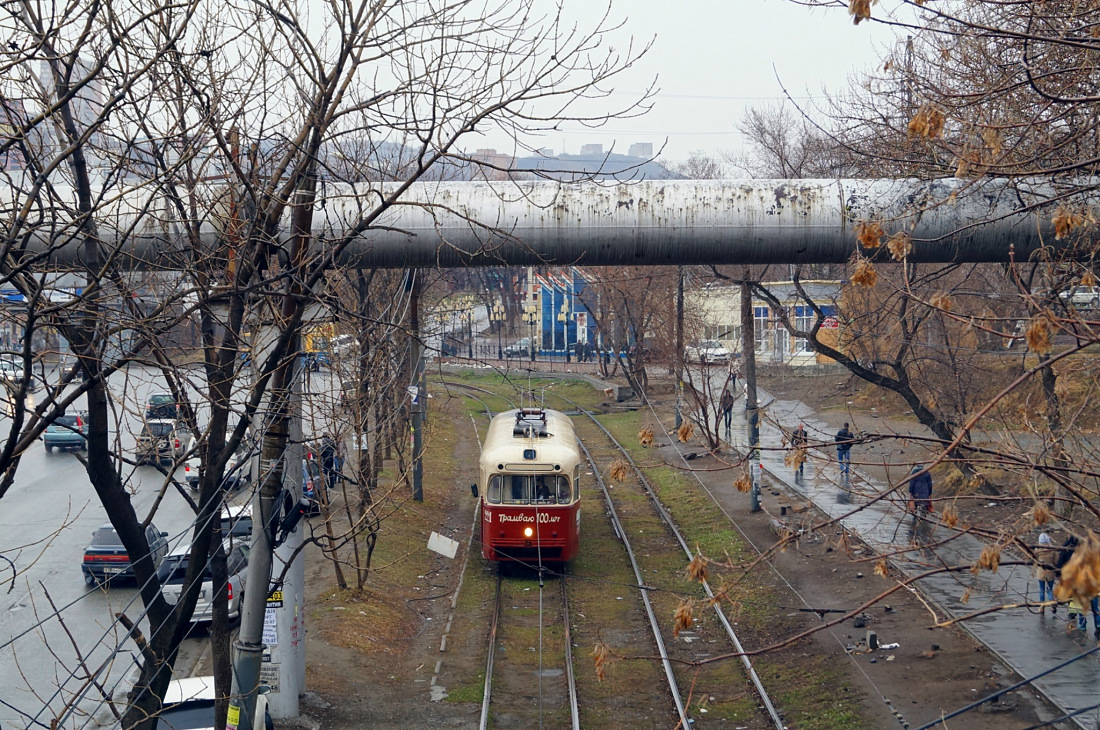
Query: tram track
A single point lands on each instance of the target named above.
(507, 699)
(651, 539)
(670, 525)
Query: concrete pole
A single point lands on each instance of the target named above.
(748, 373)
(679, 356)
(418, 402)
(249, 647)
(284, 634)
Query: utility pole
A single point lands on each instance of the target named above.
(266, 505)
(418, 396)
(679, 357)
(748, 355)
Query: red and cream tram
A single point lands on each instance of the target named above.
(530, 470)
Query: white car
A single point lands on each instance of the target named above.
(174, 569)
(708, 351)
(1082, 296)
(189, 705)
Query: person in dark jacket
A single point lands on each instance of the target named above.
(725, 409)
(920, 489)
(330, 460)
(843, 440)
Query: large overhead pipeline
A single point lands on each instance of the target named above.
(647, 223)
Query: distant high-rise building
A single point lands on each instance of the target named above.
(592, 150)
(643, 150)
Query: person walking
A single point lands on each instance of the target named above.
(920, 489)
(725, 409)
(798, 443)
(843, 440)
(1045, 558)
(330, 460)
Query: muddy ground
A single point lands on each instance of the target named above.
(375, 659)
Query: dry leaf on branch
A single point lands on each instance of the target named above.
(794, 458)
(990, 559)
(1040, 513)
(1080, 577)
(1038, 335)
(864, 274)
(601, 657)
(1065, 220)
(743, 484)
(927, 123)
(683, 616)
(645, 437)
(869, 233)
(992, 139)
(1088, 278)
(617, 472)
(899, 245)
(881, 569)
(860, 10)
(941, 301)
(697, 569)
(950, 516)
(685, 432)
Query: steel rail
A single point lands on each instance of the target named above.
(570, 676)
(746, 662)
(483, 724)
(685, 722)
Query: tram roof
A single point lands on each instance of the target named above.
(502, 445)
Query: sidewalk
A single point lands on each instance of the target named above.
(1026, 642)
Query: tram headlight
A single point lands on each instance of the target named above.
(528, 531)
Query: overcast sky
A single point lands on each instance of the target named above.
(714, 58)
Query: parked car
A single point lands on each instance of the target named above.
(234, 475)
(106, 559)
(174, 571)
(189, 705)
(708, 351)
(162, 406)
(343, 345)
(519, 348)
(1082, 296)
(236, 522)
(11, 370)
(66, 432)
(161, 440)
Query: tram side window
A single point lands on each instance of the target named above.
(564, 493)
(492, 494)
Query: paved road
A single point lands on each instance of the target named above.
(1026, 642)
(46, 520)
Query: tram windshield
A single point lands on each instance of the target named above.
(528, 489)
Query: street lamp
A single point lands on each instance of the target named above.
(530, 316)
(496, 314)
(469, 316)
(563, 317)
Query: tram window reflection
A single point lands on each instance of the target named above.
(492, 494)
(565, 495)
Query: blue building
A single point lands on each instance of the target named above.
(563, 320)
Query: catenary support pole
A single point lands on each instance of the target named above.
(275, 427)
(419, 396)
(284, 674)
(679, 356)
(748, 357)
